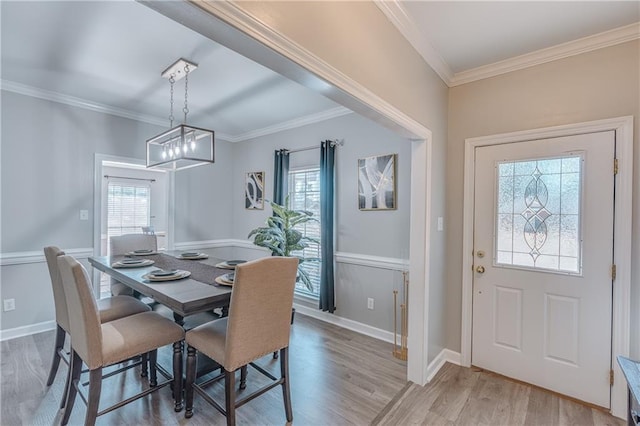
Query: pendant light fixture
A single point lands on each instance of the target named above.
(183, 146)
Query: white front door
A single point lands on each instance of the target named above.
(543, 250)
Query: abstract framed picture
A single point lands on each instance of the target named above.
(377, 182)
(254, 191)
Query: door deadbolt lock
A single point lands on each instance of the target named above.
(480, 269)
(480, 254)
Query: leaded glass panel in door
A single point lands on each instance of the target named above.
(538, 214)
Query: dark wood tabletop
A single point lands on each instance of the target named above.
(184, 297)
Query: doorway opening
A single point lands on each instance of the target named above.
(131, 200)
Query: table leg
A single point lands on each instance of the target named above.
(179, 319)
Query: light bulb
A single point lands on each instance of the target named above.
(193, 145)
(164, 154)
(176, 150)
(185, 148)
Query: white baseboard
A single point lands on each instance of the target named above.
(356, 326)
(445, 355)
(26, 330)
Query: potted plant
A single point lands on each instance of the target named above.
(282, 239)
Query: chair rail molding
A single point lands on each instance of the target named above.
(370, 261)
(26, 257)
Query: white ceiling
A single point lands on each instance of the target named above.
(471, 34)
(112, 53)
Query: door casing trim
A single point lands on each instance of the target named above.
(621, 303)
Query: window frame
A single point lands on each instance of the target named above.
(303, 292)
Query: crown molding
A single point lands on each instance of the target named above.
(232, 14)
(397, 14)
(554, 53)
(49, 95)
(292, 124)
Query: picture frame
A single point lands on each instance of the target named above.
(377, 182)
(254, 191)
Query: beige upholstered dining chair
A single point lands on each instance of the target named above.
(258, 324)
(124, 244)
(100, 345)
(109, 309)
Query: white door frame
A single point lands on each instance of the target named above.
(97, 202)
(623, 126)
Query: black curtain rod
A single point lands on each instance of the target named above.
(130, 178)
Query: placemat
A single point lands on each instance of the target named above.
(199, 271)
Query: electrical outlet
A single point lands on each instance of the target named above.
(440, 224)
(370, 303)
(9, 304)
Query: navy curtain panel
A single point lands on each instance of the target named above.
(327, 177)
(280, 176)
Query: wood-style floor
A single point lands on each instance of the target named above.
(464, 396)
(338, 377)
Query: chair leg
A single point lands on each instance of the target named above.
(192, 365)
(243, 377)
(177, 375)
(55, 362)
(230, 396)
(95, 388)
(67, 385)
(153, 373)
(76, 369)
(275, 355)
(143, 365)
(286, 391)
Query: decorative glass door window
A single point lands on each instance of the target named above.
(538, 214)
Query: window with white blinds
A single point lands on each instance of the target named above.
(128, 208)
(304, 194)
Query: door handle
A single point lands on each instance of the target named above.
(480, 269)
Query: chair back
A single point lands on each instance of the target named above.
(51, 253)
(84, 319)
(260, 309)
(125, 243)
(148, 230)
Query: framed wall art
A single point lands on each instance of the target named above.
(254, 191)
(377, 182)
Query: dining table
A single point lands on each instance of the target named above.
(199, 292)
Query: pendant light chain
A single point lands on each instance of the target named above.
(172, 80)
(186, 93)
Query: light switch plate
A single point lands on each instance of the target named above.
(84, 214)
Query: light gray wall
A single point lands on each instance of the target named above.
(374, 233)
(47, 168)
(202, 197)
(600, 84)
(47, 177)
(55, 185)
